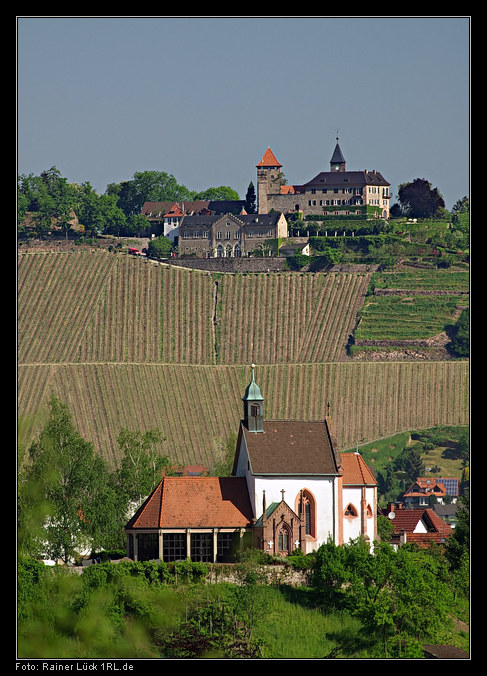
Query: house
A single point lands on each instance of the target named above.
(420, 526)
(338, 192)
(289, 488)
(423, 489)
(295, 246)
(228, 235)
(165, 217)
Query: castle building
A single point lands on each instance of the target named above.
(290, 488)
(228, 235)
(337, 192)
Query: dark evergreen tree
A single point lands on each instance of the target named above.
(250, 199)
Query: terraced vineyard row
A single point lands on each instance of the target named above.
(197, 408)
(57, 296)
(410, 306)
(287, 318)
(101, 307)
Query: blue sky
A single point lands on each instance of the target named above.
(202, 98)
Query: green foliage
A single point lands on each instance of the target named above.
(68, 499)
(65, 497)
(460, 343)
(401, 594)
(159, 247)
(297, 261)
(418, 199)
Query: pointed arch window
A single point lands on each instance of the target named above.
(283, 539)
(306, 510)
(351, 511)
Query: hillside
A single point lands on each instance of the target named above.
(130, 343)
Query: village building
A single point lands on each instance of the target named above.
(428, 490)
(290, 488)
(337, 192)
(229, 235)
(165, 217)
(421, 526)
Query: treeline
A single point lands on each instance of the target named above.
(398, 600)
(51, 200)
(68, 498)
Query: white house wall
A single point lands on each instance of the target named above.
(352, 527)
(324, 490)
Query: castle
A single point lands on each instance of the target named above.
(336, 192)
(215, 229)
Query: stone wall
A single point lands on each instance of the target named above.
(232, 264)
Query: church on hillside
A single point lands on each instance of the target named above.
(290, 488)
(337, 192)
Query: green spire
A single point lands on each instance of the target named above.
(253, 393)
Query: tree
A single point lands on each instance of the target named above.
(65, 497)
(142, 465)
(419, 200)
(221, 193)
(458, 545)
(160, 247)
(99, 213)
(147, 186)
(399, 596)
(50, 197)
(460, 343)
(250, 199)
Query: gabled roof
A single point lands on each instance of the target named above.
(291, 447)
(407, 520)
(355, 471)
(423, 487)
(195, 502)
(183, 206)
(269, 160)
(160, 209)
(199, 220)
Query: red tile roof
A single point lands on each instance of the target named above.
(196, 502)
(423, 487)
(407, 520)
(356, 471)
(269, 160)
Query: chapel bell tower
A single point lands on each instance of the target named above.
(253, 406)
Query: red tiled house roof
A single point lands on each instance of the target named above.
(195, 502)
(355, 471)
(422, 487)
(408, 521)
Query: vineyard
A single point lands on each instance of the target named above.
(99, 307)
(128, 343)
(197, 408)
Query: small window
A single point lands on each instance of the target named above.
(350, 511)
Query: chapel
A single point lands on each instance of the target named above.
(290, 488)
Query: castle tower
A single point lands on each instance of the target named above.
(268, 180)
(253, 406)
(337, 162)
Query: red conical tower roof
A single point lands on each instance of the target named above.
(269, 160)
